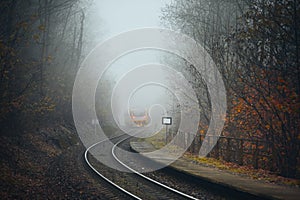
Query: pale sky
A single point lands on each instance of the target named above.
(112, 17)
(122, 15)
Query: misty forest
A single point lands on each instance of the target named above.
(254, 45)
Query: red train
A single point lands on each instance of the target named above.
(139, 118)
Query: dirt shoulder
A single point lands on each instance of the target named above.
(244, 171)
(47, 164)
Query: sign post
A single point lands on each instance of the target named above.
(166, 121)
(94, 122)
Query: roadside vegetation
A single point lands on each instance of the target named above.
(158, 141)
(255, 45)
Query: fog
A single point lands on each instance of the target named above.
(75, 72)
(129, 15)
(119, 16)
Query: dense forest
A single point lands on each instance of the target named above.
(255, 45)
(41, 47)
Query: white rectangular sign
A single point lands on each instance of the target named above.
(167, 120)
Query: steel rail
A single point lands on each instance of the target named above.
(101, 175)
(146, 177)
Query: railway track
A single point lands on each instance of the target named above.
(182, 194)
(161, 184)
(103, 176)
(135, 185)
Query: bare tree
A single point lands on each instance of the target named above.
(255, 45)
